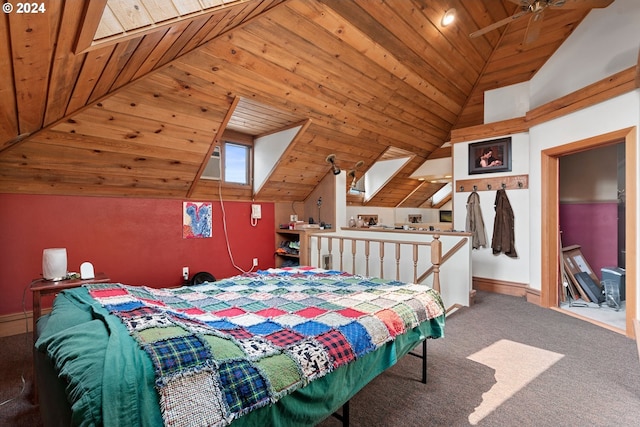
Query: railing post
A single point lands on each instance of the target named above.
(382, 259)
(366, 256)
(353, 256)
(436, 259)
(415, 263)
(398, 261)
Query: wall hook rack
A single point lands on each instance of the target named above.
(513, 182)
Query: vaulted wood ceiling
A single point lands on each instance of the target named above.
(138, 117)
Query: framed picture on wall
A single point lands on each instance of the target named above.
(415, 219)
(446, 216)
(369, 219)
(490, 156)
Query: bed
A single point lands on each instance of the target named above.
(277, 347)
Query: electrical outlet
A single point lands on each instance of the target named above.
(185, 273)
(255, 262)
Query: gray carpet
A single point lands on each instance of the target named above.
(595, 383)
(592, 378)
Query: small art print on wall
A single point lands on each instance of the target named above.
(196, 220)
(490, 156)
(415, 219)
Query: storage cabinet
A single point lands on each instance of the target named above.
(291, 248)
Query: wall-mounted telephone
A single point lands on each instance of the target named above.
(256, 212)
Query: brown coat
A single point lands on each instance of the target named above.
(503, 226)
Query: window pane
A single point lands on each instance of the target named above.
(236, 163)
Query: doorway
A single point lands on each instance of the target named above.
(592, 232)
(550, 287)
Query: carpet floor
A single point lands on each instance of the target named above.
(503, 362)
(506, 362)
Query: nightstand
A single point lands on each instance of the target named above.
(40, 288)
(43, 287)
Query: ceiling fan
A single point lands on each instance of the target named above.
(536, 8)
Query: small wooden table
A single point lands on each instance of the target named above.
(40, 288)
(43, 287)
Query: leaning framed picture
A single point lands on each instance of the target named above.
(490, 156)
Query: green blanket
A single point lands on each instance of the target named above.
(95, 355)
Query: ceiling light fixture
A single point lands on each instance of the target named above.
(331, 158)
(352, 172)
(448, 17)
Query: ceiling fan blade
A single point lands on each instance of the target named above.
(580, 4)
(533, 29)
(498, 24)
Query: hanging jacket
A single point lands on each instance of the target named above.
(503, 226)
(474, 223)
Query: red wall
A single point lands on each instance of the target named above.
(133, 241)
(593, 226)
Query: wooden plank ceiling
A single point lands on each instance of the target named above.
(137, 116)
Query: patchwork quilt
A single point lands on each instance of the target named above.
(225, 348)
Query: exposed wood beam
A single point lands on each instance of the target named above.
(489, 130)
(617, 84)
(92, 14)
(607, 88)
(420, 184)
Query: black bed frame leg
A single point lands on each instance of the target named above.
(345, 414)
(344, 417)
(422, 356)
(424, 361)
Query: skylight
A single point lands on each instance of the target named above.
(122, 19)
(442, 194)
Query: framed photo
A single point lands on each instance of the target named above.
(369, 219)
(446, 216)
(415, 219)
(490, 156)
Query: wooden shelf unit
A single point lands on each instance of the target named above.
(284, 235)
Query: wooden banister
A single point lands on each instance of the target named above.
(435, 246)
(446, 256)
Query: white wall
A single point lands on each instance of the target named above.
(378, 175)
(506, 102)
(485, 263)
(267, 151)
(590, 176)
(606, 42)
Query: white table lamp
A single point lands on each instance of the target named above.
(54, 263)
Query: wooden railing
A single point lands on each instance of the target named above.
(435, 247)
(400, 259)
